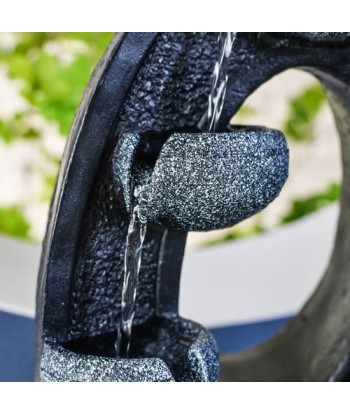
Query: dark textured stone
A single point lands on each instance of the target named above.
(206, 181)
(202, 353)
(80, 283)
(316, 37)
(176, 75)
(210, 181)
(170, 78)
(163, 351)
(149, 82)
(61, 365)
(186, 347)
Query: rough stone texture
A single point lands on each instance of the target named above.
(206, 181)
(211, 181)
(203, 353)
(176, 75)
(123, 163)
(61, 365)
(319, 37)
(164, 350)
(97, 291)
(172, 87)
(186, 347)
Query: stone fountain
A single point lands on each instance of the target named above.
(137, 125)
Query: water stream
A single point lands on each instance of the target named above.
(132, 262)
(218, 88)
(138, 221)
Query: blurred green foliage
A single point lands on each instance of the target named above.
(51, 84)
(13, 222)
(303, 207)
(302, 113)
(53, 70)
(233, 233)
(16, 127)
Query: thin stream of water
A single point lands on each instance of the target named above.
(132, 263)
(218, 88)
(138, 225)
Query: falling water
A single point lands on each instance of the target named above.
(217, 93)
(138, 224)
(132, 262)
